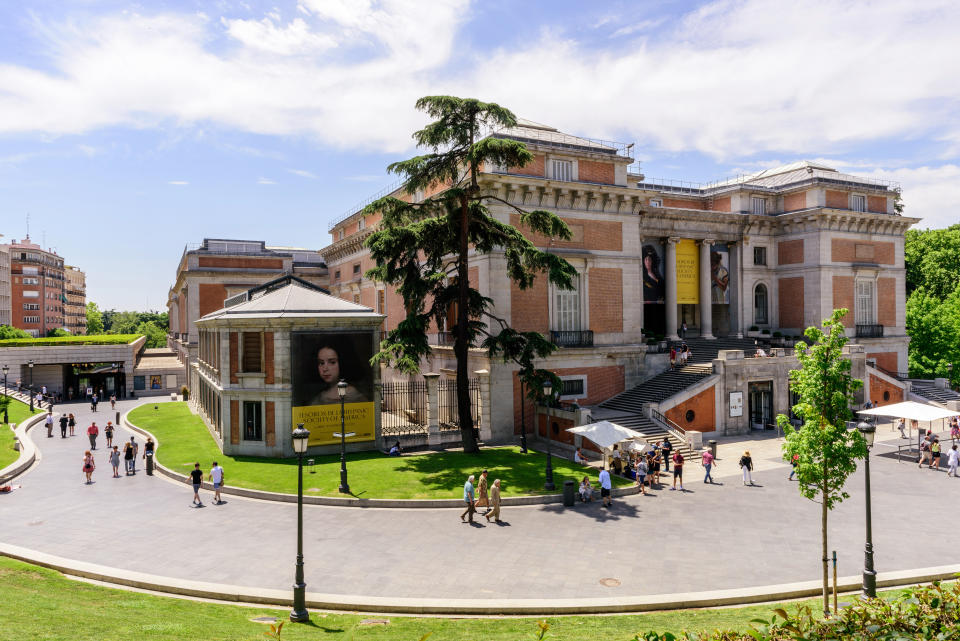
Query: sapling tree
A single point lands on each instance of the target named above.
(826, 451)
(423, 244)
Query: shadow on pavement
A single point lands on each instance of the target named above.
(593, 510)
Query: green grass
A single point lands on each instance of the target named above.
(185, 440)
(96, 339)
(16, 412)
(42, 604)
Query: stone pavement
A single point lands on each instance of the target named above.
(708, 538)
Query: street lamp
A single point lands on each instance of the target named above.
(299, 613)
(523, 421)
(868, 430)
(30, 365)
(547, 395)
(344, 486)
(6, 369)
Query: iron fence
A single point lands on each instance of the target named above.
(403, 408)
(449, 414)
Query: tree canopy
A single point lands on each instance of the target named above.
(422, 246)
(94, 319)
(8, 331)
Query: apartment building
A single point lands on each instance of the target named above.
(75, 310)
(37, 288)
(5, 312)
(716, 263)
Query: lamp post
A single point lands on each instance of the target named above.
(30, 365)
(344, 486)
(6, 369)
(299, 613)
(547, 395)
(869, 574)
(523, 421)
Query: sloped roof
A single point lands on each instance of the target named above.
(293, 300)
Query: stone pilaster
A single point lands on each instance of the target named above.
(670, 282)
(486, 431)
(433, 410)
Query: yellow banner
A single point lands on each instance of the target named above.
(688, 271)
(324, 420)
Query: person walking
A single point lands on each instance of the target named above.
(113, 401)
(92, 432)
(924, 451)
(605, 486)
(48, 422)
(136, 450)
(494, 501)
(482, 498)
(935, 454)
(216, 477)
(63, 426)
(468, 499)
(93, 403)
(706, 460)
(127, 458)
(655, 462)
(108, 433)
(683, 334)
(666, 447)
(114, 457)
(196, 478)
(955, 430)
(794, 461)
(902, 425)
(88, 466)
(746, 464)
(71, 423)
(148, 452)
(642, 468)
(953, 458)
(677, 470)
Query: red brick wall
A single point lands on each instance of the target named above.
(877, 389)
(843, 297)
(721, 204)
(790, 252)
(530, 308)
(561, 435)
(704, 410)
(240, 263)
(877, 204)
(886, 360)
(270, 423)
(596, 172)
(534, 168)
(849, 250)
(599, 235)
(606, 299)
(602, 383)
(212, 296)
(683, 203)
(234, 420)
(234, 357)
(395, 308)
(268, 364)
(793, 202)
(887, 301)
(838, 199)
(790, 299)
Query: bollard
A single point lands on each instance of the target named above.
(835, 610)
(117, 422)
(149, 463)
(713, 448)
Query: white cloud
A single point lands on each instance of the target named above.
(930, 193)
(265, 181)
(267, 35)
(303, 173)
(177, 182)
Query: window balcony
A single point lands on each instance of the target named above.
(869, 331)
(576, 338)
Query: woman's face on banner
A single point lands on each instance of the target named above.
(328, 365)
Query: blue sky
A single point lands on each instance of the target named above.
(128, 130)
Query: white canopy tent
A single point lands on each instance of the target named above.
(605, 435)
(912, 411)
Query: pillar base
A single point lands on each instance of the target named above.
(709, 337)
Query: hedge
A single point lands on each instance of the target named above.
(98, 339)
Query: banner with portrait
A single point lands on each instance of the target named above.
(318, 361)
(654, 284)
(688, 272)
(720, 275)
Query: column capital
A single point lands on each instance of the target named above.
(707, 242)
(673, 240)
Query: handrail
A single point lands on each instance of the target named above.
(670, 425)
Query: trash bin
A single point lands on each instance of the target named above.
(149, 456)
(569, 493)
(713, 447)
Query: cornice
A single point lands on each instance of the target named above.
(342, 248)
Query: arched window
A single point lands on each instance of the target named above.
(760, 304)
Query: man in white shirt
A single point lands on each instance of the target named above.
(605, 487)
(952, 460)
(216, 477)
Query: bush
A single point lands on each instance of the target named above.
(185, 392)
(100, 339)
(765, 332)
(754, 328)
(777, 335)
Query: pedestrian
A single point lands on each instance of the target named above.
(63, 426)
(483, 498)
(88, 466)
(901, 425)
(113, 401)
(794, 461)
(641, 469)
(468, 499)
(48, 422)
(677, 470)
(955, 430)
(706, 460)
(495, 502)
(666, 447)
(605, 487)
(93, 403)
(148, 452)
(127, 458)
(108, 433)
(586, 490)
(136, 450)
(655, 470)
(683, 334)
(952, 459)
(92, 432)
(935, 454)
(673, 357)
(216, 477)
(746, 464)
(617, 460)
(196, 477)
(115, 461)
(924, 451)
(71, 423)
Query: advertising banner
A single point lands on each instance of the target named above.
(318, 361)
(688, 272)
(720, 275)
(654, 291)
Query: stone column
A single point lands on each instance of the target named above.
(736, 326)
(670, 283)
(433, 410)
(706, 300)
(486, 429)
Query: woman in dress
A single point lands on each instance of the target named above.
(108, 432)
(88, 466)
(71, 423)
(586, 491)
(115, 461)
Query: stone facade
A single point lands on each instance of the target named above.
(75, 310)
(38, 288)
(5, 311)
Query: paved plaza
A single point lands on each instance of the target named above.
(708, 538)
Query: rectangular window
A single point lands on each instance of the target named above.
(356, 269)
(858, 203)
(567, 310)
(251, 352)
(139, 382)
(864, 313)
(362, 223)
(31, 306)
(758, 206)
(252, 423)
(381, 301)
(336, 275)
(759, 255)
(574, 387)
(340, 234)
(656, 202)
(562, 170)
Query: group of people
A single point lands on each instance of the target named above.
(483, 495)
(679, 355)
(931, 452)
(129, 453)
(216, 477)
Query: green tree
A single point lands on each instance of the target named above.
(56, 333)
(94, 319)
(934, 326)
(156, 335)
(8, 331)
(826, 451)
(932, 260)
(123, 322)
(422, 247)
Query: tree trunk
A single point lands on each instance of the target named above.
(823, 539)
(461, 346)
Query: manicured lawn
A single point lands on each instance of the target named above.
(94, 339)
(16, 412)
(42, 604)
(185, 440)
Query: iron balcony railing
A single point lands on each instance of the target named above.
(869, 331)
(578, 338)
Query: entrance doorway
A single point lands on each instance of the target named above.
(760, 399)
(107, 378)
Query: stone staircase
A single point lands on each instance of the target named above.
(928, 390)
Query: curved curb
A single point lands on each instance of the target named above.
(499, 606)
(335, 501)
(28, 450)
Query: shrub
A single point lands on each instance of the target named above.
(765, 332)
(101, 339)
(185, 393)
(754, 328)
(777, 335)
